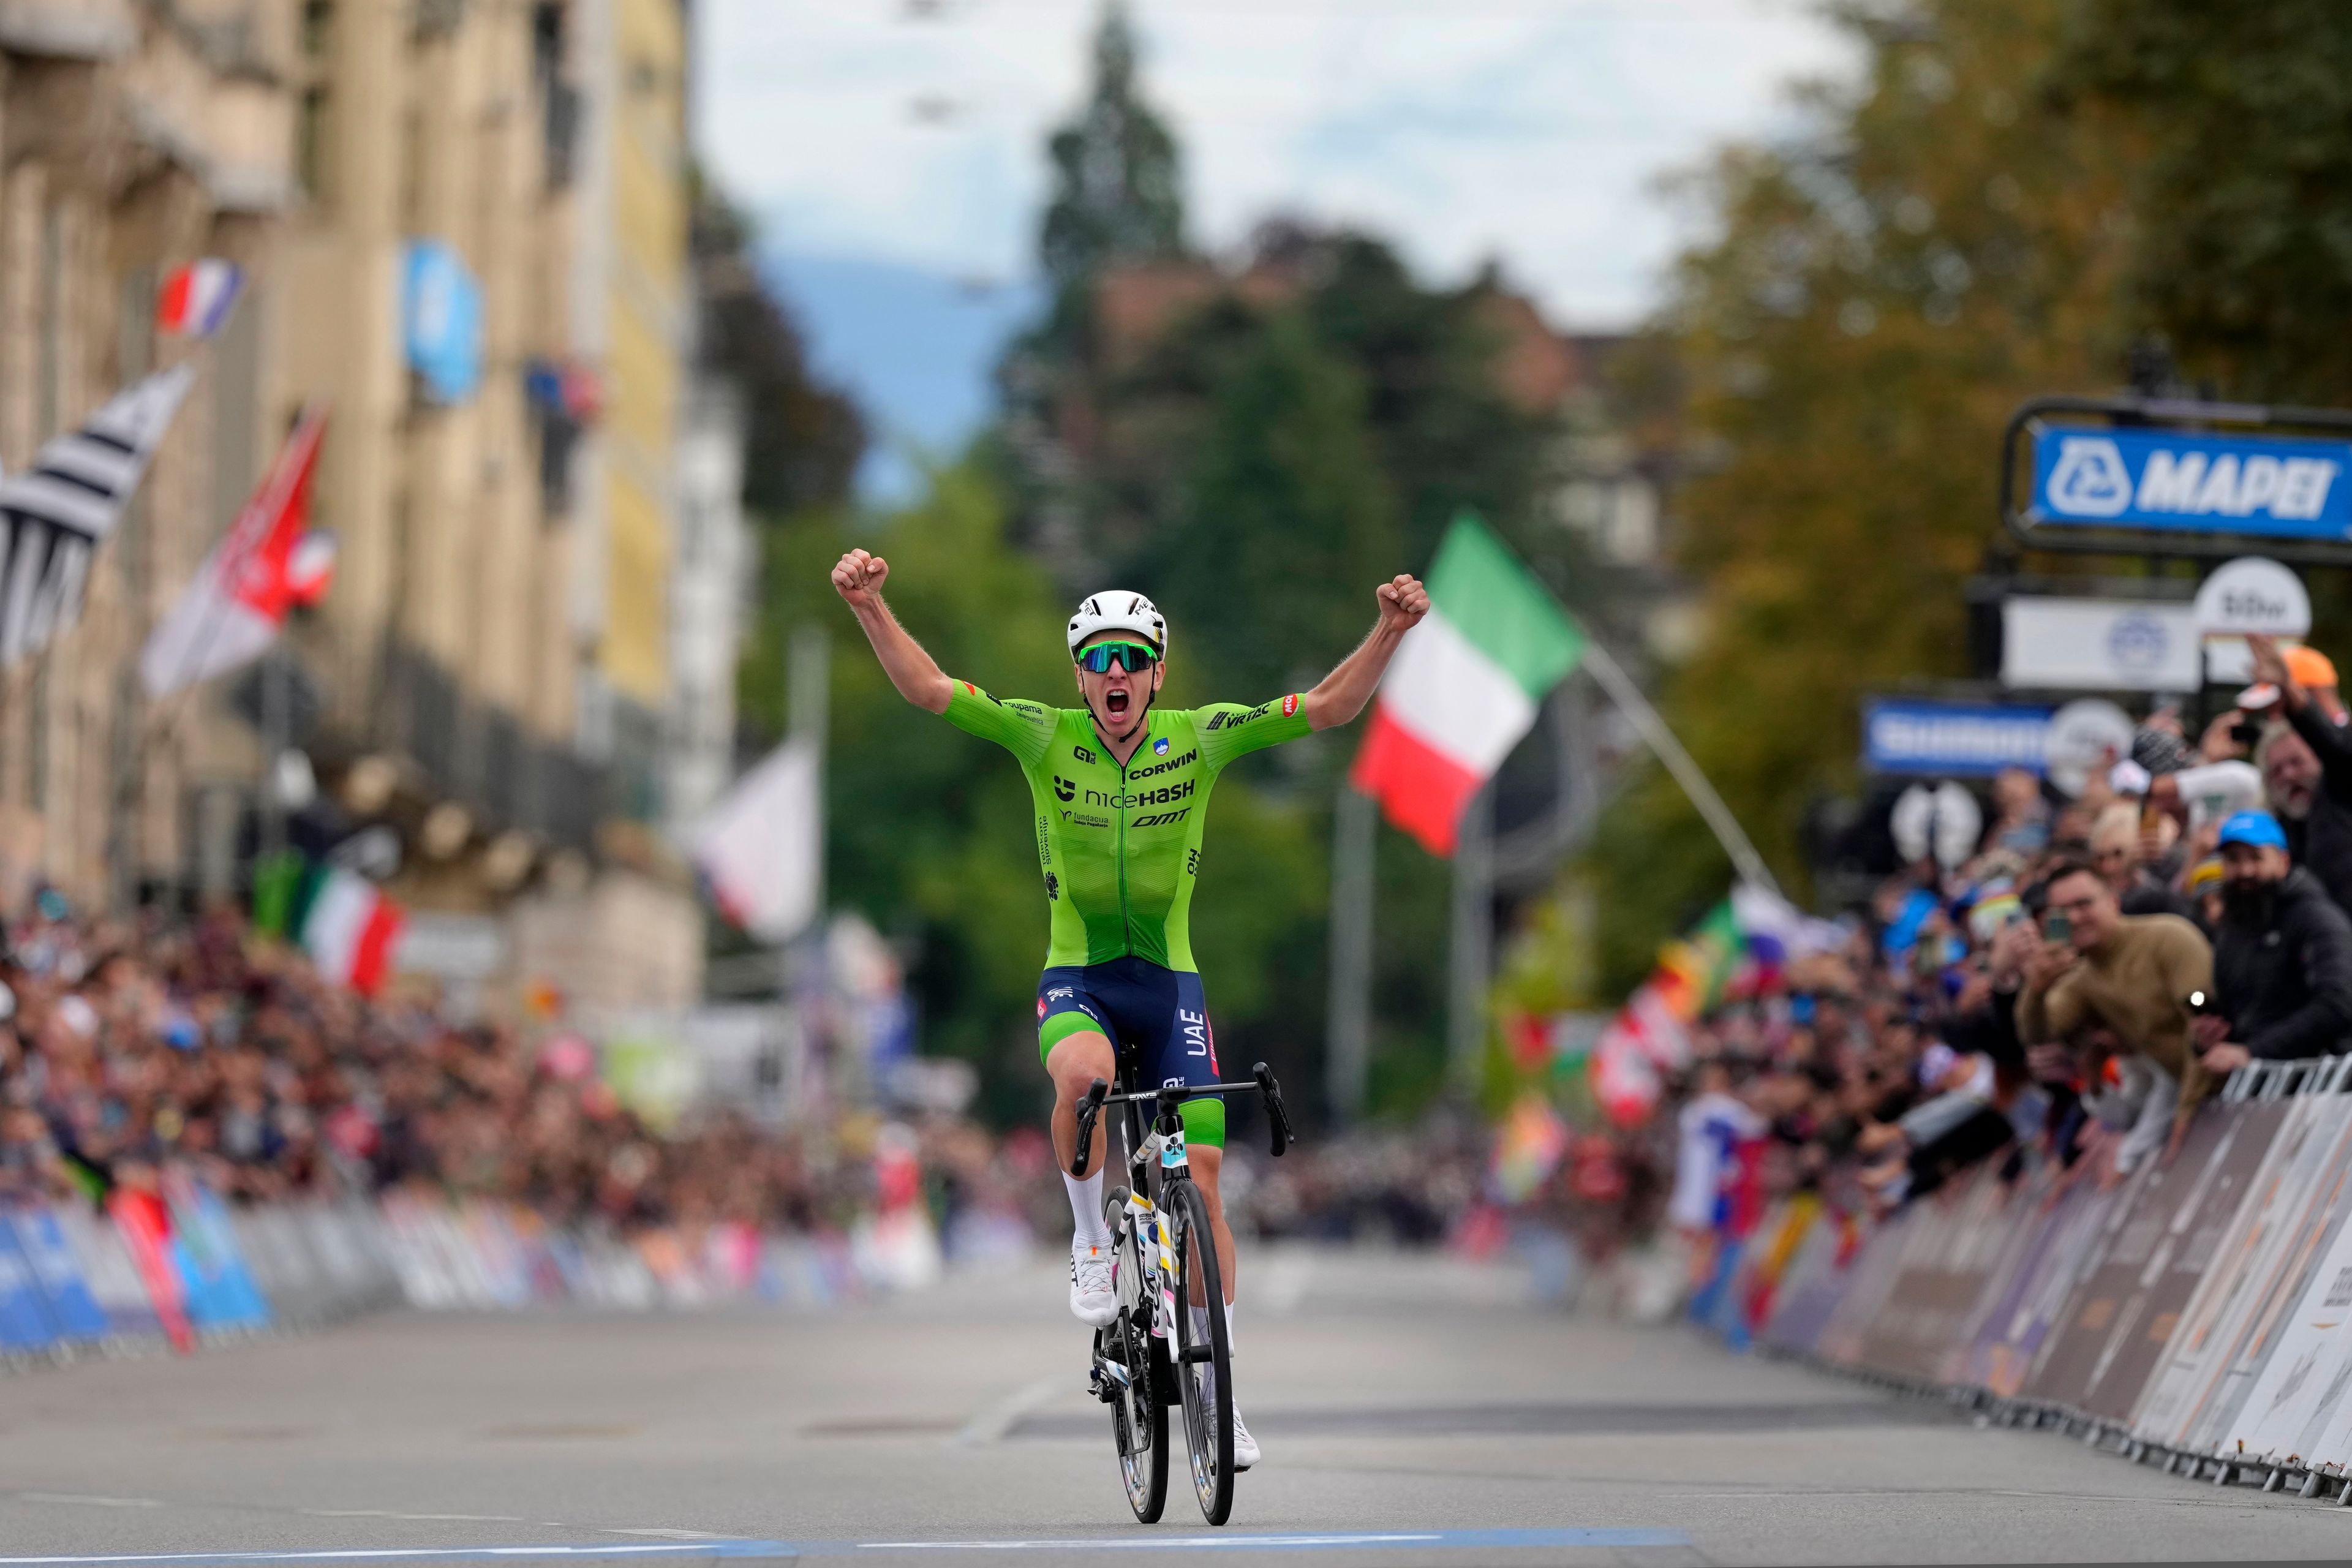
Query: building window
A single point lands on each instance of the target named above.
(313, 146)
(318, 28)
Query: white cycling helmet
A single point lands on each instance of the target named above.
(1119, 611)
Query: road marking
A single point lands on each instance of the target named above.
(673, 1534)
(388, 1513)
(607, 1549)
(88, 1501)
(1434, 1538)
(992, 1423)
(725, 1547)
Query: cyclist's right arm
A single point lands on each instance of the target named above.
(858, 580)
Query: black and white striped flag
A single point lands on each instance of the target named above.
(54, 516)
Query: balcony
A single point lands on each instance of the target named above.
(482, 757)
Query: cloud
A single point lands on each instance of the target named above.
(1526, 131)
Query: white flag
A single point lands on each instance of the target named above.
(761, 845)
(54, 516)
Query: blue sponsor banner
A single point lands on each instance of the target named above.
(2260, 487)
(42, 1244)
(219, 1289)
(1952, 740)
(23, 1324)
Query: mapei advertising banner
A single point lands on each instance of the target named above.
(2257, 487)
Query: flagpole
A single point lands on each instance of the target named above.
(1474, 921)
(1680, 764)
(1354, 820)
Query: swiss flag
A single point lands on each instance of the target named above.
(232, 612)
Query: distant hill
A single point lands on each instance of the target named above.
(916, 348)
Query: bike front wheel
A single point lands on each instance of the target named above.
(1138, 1419)
(1205, 1373)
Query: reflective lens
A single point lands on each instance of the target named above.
(1129, 655)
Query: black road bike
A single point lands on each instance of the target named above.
(1163, 1260)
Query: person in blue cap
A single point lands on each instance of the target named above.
(2282, 955)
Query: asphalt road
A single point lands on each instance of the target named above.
(1411, 1399)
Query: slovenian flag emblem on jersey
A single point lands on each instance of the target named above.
(195, 299)
(1465, 686)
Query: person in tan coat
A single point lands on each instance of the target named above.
(2131, 976)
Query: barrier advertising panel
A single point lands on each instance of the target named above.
(2109, 1302)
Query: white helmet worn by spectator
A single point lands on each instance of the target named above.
(1119, 611)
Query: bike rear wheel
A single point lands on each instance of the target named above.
(1139, 1420)
(1205, 1373)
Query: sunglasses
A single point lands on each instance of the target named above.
(1131, 657)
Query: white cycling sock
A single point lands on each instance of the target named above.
(1087, 1209)
(1201, 1325)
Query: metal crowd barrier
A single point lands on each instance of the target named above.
(181, 1267)
(2197, 1315)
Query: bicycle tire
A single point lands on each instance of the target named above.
(1208, 1428)
(1137, 1410)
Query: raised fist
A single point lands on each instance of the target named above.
(858, 577)
(1403, 601)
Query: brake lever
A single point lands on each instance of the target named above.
(1278, 1118)
(1089, 1109)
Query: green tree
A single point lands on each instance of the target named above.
(2243, 118)
(1118, 187)
(1877, 297)
(802, 439)
(928, 829)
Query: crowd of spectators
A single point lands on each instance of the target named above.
(129, 1044)
(2080, 983)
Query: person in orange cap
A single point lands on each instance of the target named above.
(2316, 673)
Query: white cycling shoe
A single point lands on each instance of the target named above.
(1093, 1301)
(1245, 1446)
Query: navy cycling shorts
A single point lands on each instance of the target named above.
(1157, 1019)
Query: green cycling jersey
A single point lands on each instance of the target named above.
(1120, 846)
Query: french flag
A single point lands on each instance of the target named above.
(195, 299)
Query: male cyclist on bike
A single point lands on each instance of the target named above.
(1120, 793)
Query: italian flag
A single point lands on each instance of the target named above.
(1464, 685)
(340, 918)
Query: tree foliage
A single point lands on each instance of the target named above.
(1118, 191)
(2009, 195)
(802, 439)
(1949, 238)
(2241, 116)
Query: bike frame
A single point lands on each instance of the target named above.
(1156, 1161)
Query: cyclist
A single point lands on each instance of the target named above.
(1120, 791)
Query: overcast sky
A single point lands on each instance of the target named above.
(910, 130)
(882, 142)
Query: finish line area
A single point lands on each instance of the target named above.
(1414, 1409)
(775, 1551)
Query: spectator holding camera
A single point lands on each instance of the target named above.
(2282, 956)
(2131, 976)
(2307, 769)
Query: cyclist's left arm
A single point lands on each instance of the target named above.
(1341, 695)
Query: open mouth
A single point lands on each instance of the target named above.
(1115, 704)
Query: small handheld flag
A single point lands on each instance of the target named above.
(196, 298)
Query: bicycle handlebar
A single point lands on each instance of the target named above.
(1278, 1118)
(1099, 1095)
